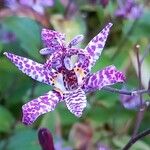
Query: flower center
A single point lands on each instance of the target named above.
(70, 80)
(70, 70)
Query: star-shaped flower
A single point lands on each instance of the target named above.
(67, 69)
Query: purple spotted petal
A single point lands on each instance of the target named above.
(52, 39)
(108, 76)
(96, 45)
(31, 68)
(76, 40)
(43, 104)
(75, 101)
(47, 51)
(55, 60)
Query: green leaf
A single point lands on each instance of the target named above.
(141, 28)
(51, 120)
(6, 66)
(71, 27)
(106, 99)
(22, 84)
(41, 89)
(100, 12)
(94, 114)
(2, 144)
(67, 118)
(6, 120)
(1, 47)
(28, 33)
(101, 63)
(24, 140)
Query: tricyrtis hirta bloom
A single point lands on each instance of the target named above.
(68, 70)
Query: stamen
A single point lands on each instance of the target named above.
(70, 62)
(59, 83)
(80, 75)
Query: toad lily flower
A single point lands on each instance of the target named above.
(67, 69)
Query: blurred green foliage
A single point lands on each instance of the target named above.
(104, 110)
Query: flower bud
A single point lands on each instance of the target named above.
(45, 139)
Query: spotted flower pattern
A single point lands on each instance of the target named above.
(68, 70)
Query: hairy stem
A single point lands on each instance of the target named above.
(139, 118)
(131, 93)
(141, 111)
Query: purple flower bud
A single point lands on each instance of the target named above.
(45, 139)
(102, 146)
(104, 3)
(130, 102)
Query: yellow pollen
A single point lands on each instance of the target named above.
(79, 71)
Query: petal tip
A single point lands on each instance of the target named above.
(26, 116)
(44, 30)
(26, 121)
(8, 55)
(44, 51)
(78, 114)
(109, 25)
(123, 77)
(5, 53)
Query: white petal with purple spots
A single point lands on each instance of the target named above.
(31, 68)
(75, 101)
(96, 45)
(52, 39)
(107, 76)
(41, 105)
